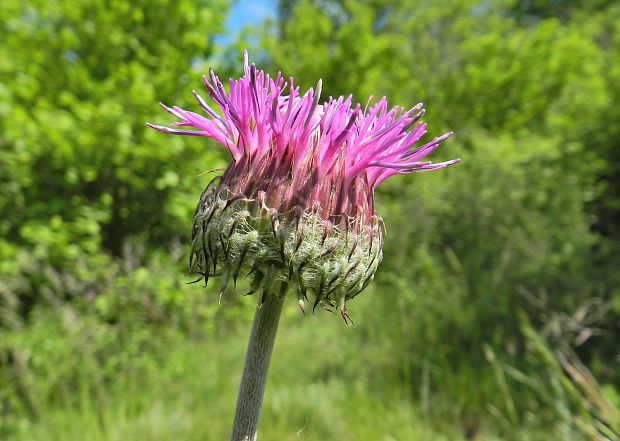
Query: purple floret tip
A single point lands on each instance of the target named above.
(337, 145)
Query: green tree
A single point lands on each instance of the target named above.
(79, 171)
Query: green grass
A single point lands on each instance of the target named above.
(184, 388)
(72, 378)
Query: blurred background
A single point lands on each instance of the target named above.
(495, 314)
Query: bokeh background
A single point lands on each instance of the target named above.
(495, 314)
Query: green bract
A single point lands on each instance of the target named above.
(297, 250)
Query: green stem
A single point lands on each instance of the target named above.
(260, 347)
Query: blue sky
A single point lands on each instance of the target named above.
(245, 12)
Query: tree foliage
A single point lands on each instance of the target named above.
(80, 174)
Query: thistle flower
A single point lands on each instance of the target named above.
(295, 208)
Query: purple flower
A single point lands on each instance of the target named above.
(298, 160)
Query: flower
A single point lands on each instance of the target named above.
(295, 209)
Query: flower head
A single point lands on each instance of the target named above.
(295, 206)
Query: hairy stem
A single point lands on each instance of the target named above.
(260, 347)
